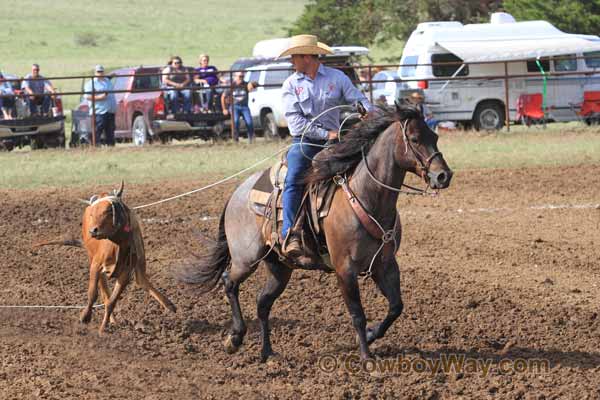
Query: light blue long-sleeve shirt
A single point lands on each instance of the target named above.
(108, 104)
(305, 98)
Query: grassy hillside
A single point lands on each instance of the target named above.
(70, 37)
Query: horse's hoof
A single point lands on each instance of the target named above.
(371, 336)
(230, 346)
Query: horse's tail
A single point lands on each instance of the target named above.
(61, 242)
(205, 270)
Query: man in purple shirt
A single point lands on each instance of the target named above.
(311, 90)
(206, 77)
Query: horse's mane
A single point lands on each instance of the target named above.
(343, 157)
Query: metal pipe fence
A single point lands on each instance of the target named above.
(369, 82)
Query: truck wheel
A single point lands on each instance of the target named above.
(139, 131)
(270, 128)
(489, 116)
(55, 140)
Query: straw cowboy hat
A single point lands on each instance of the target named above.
(417, 95)
(306, 44)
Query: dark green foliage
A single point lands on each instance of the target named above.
(573, 16)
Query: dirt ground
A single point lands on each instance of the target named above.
(503, 268)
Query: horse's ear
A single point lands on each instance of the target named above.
(120, 192)
(93, 199)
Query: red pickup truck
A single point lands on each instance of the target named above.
(142, 114)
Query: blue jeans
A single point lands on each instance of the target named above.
(242, 111)
(431, 123)
(105, 123)
(174, 100)
(42, 99)
(299, 158)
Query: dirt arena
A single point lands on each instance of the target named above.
(502, 268)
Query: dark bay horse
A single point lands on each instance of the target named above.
(375, 157)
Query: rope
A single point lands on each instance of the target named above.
(52, 307)
(252, 166)
(215, 183)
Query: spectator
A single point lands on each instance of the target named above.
(37, 87)
(177, 78)
(418, 99)
(238, 93)
(206, 76)
(104, 104)
(7, 104)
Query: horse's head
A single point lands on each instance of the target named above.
(416, 148)
(106, 214)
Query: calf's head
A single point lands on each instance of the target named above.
(106, 215)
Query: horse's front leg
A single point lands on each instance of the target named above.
(387, 278)
(348, 283)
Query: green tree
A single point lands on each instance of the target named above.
(574, 16)
(367, 22)
(339, 22)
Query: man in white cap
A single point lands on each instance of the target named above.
(311, 90)
(105, 105)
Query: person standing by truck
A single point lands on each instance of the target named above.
(238, 93)
(37, 87)
(104, 104)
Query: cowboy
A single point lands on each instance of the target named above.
(308, 93)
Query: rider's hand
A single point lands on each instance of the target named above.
(225, 112)
(332, 135)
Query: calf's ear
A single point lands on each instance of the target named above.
(93, 198)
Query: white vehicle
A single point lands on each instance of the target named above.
(388, 90)
(265, 102)
(483, 101)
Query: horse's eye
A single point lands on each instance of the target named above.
(414, 139)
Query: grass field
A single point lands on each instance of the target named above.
(521, 147)
(70, 37)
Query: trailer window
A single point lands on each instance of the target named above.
(411, 69)
(565, 63)
(592, 59)
(532, 65)
(445, 69)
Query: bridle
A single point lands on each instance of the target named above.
(424, 163)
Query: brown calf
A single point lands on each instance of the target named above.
(112, 237)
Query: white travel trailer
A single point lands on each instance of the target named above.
(519, 44)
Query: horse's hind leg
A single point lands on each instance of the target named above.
(232, 280)
(142, 280)
(387, 278)
(278, 278)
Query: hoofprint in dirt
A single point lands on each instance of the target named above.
(500, 270)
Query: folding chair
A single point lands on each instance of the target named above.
(529, 108)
